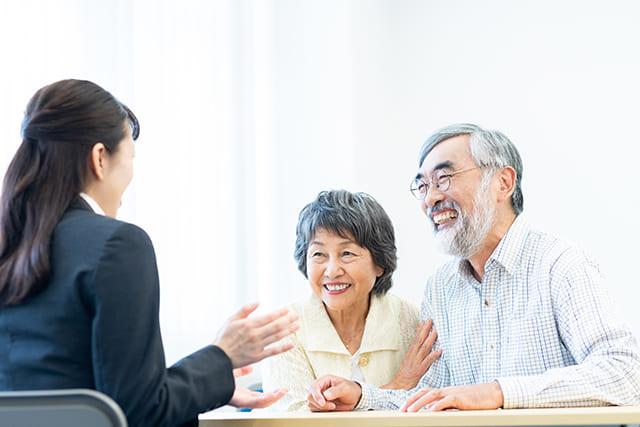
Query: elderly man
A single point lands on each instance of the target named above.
(522, 317)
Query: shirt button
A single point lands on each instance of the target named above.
(364, 360)
(491, 346)
(486, 303)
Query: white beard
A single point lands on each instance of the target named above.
(465, 237)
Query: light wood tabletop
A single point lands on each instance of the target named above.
(613, 415)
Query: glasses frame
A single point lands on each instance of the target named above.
(441, 186)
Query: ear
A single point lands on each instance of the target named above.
(379, 271)
(506, 183)
(97, 160)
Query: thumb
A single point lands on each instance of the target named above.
(337, 391)
(245, 311)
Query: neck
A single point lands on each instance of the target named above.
(93, 192)
(479, 259)
(349, 324)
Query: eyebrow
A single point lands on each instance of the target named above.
(442, 165)
(342, 243)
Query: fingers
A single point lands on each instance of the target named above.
(278, 348)
(333, 393)
(410, 403)
(262, 400)
(424, 400)
(245, 311)
(317, 398)
(424, 339)
(242, 371)
(265, 319)
(418, 339)
(442, 404)
(477, 396)
(343, 390)
(433, 400)
(278, 328)
(430, 341)
(328, 406)
(245, 398)
(282, 323)
(432, 357)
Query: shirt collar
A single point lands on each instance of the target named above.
(378, 334)
(92, 204)
(507, 253)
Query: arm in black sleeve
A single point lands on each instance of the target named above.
(127, 351)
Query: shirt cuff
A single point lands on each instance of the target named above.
(366, 398)
(517, 392)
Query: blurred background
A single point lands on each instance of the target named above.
(249, 108)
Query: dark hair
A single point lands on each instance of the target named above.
(61, 124)
(357, 214)
(490, 149)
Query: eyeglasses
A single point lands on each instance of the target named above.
(440, 179)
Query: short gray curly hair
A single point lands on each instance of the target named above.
(358, 215)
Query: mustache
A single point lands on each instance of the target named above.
(443, 205)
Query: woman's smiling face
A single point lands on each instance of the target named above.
(341, 272)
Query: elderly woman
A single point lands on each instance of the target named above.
(350, 326)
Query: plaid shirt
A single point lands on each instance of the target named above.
(540, 323)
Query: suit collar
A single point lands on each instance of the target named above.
(79, 204)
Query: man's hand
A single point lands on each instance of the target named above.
(418, 359)
(478, 396)
(244, 339)
(331, 393)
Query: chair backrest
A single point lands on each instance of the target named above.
(58, 408)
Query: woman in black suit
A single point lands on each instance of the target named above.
(79, 292)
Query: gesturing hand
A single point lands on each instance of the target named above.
(245, 339)
(478, 396)
(332, 393)
(418, 359)
(245, 398)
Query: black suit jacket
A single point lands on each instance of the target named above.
(96, 325)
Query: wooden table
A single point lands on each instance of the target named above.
(613, 415)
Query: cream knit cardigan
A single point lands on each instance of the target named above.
(318, 350)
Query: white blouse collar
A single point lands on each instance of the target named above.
(93, 204)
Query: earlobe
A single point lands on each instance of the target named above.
(96, 160)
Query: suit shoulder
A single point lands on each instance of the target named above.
(84, 235)
(101, 226)
(130, 233)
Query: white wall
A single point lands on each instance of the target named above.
(559, 78)
(250, 108)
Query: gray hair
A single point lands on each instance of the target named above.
(357, 214)
(490, 149)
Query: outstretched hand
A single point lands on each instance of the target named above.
(477, 396)
(245, 339)
(245, 398)
(418, 359)
(332, 393)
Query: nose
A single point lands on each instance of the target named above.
(433, 196)
(334, 268)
